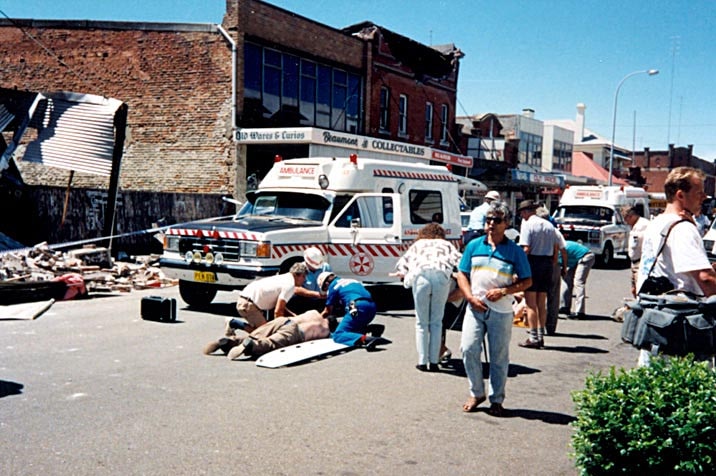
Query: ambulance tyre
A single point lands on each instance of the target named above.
(196, 294)
(607, 257)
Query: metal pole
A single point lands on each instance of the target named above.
(650, 72)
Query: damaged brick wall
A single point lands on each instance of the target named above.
(175, 78)
(135, 211)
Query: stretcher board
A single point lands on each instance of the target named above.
(299, 353)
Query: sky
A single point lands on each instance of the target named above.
(545, 55)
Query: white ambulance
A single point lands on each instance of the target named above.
(592, 214)
(363, 214)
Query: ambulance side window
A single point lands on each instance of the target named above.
(425, 205)
(387, 206)
(344, 221)
(370, 211)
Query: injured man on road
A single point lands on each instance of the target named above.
(277, 333)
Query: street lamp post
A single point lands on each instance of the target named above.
(650, 72)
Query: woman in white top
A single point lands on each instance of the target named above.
(426, 268)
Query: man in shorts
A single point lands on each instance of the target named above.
(539, 242)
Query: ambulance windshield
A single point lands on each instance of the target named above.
(302, 206)
(583, 213)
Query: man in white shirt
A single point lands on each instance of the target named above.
(476, 225)
(265, 294)
(539, 241)
(638, 226)
(683, 259)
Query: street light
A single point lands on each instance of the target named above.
(650, 72)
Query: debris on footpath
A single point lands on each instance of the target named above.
(40, 273)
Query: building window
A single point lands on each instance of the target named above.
(384, 109)
(444, 124)
(403, 115)
(530, 150)
(562, 156)
(283, 90)
(428, 121)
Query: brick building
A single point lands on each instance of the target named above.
(650, 167)
(209, 106)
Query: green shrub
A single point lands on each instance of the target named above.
(651, 420)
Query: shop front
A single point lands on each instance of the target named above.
(263, 145)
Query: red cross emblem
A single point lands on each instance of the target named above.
(361, 264)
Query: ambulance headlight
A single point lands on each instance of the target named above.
(255, 249)
(189, 256)
(323, 181)
(171, 242)
(196, 257)
(209, 258)
(219, 258)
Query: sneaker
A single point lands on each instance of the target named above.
(564, 310)
(236, 352)
(224, 344)
(446, 356)
(228, 330)
(371, 342)
(530, 344)
(232, 324)
(376, 330)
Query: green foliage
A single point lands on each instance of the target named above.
(650, 420)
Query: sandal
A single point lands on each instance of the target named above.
(470, 406)
(496, 410)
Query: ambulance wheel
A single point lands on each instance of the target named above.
(607, 258)
(196, 294)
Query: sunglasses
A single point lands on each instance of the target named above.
(495, 220)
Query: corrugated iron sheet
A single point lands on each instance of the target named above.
(75, 132)
(6, 117)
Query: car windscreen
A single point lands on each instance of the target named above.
(585, 213)
(304, 206)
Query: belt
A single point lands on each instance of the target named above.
(248, 299)
(635, 261)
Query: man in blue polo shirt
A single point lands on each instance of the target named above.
(487, 280)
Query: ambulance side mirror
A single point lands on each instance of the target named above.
(355, 223)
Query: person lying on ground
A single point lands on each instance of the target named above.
(275, 334)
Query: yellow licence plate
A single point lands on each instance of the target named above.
(205, 276)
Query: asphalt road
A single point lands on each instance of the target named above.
(91, 389)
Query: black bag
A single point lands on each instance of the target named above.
(656, 285)
(671, 325)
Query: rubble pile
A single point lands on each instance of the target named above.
(100, 272)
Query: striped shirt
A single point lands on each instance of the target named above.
(490, 268)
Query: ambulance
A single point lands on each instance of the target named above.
(592, 214)
(362, 213)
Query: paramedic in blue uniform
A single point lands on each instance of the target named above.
(354, 300)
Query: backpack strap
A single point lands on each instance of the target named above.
(663, 242)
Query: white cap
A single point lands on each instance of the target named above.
(322, 279)
(313, 257)
(492, 195)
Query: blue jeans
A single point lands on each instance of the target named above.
(430, 292)
(498, 327)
